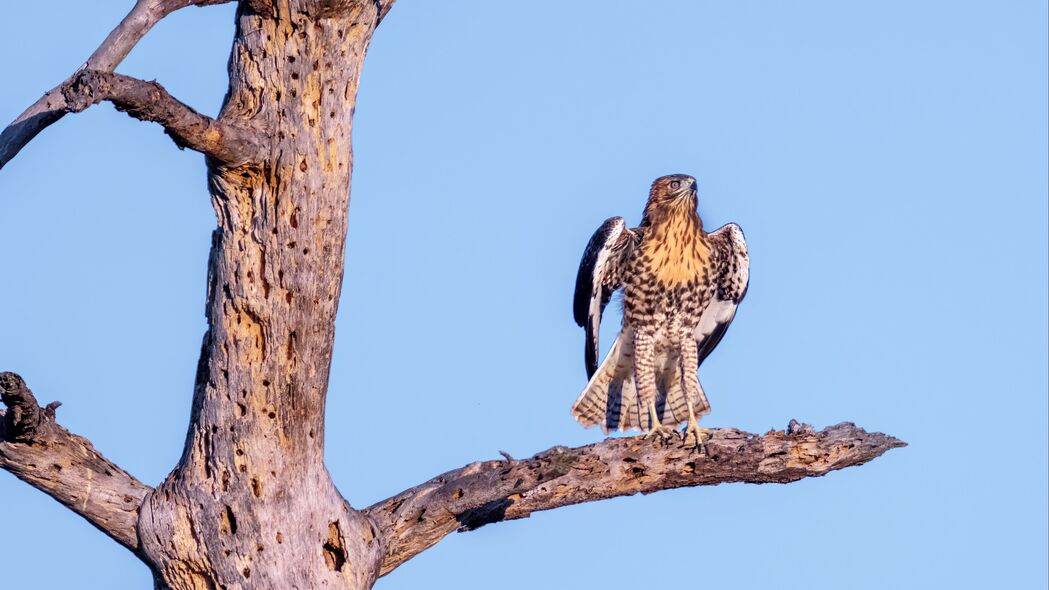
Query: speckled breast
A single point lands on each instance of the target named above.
(668, 285)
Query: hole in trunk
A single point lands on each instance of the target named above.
(229, 521)
(334, 548)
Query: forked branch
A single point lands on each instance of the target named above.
(493, 491)
(65, 466)
(118, 44)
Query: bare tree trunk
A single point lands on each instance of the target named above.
(251, 504)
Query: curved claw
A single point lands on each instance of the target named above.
(661, 431)
(702, 435)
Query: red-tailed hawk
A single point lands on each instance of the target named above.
(681, 286)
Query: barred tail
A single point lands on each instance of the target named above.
(610, 399)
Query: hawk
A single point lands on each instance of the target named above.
(681, 286)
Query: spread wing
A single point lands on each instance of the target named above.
(733, 276)
(600, 273)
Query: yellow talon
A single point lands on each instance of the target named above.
(702, 434)
(657, 429)
(661, 431)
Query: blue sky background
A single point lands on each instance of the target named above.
(887, 161)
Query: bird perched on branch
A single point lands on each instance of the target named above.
(681, 286)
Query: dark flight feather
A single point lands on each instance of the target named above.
(597, 278)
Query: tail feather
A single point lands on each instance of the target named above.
(610, 399)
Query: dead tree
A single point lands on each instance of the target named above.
(250, 504)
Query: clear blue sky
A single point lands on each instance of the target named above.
(887, 161)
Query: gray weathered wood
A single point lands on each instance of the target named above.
(251, 504)
(493, 491)
(149, 101)
(51, 107)
(65, 466)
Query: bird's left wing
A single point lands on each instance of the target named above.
(732, 276)
(600, 273)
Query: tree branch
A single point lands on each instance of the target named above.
(118, 44)
(149, 101)
(493, 491)
(384, 8)
(65, 466)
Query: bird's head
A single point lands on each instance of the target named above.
(675, 192)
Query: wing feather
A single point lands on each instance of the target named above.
(733, 278)
(600, 274)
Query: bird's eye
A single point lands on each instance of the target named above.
(676, 184)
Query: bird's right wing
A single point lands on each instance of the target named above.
(600, 273)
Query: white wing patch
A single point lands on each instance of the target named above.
(732, 278)
(599, 272)
(598, 277)
(717, 312)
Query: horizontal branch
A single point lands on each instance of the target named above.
(65, 466)
(118, 44)
(493, 491)
(149, 101)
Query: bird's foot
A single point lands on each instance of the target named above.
(659, 431)
(702, 435)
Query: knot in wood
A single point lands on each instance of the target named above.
(84, 89)
(796, 427)
(24, 417)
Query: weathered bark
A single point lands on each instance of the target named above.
(148, 101)
(250, 503)
(65, 466)
(52, 105)
(493, 491)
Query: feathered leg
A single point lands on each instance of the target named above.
(693, 391)
(645, 379)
